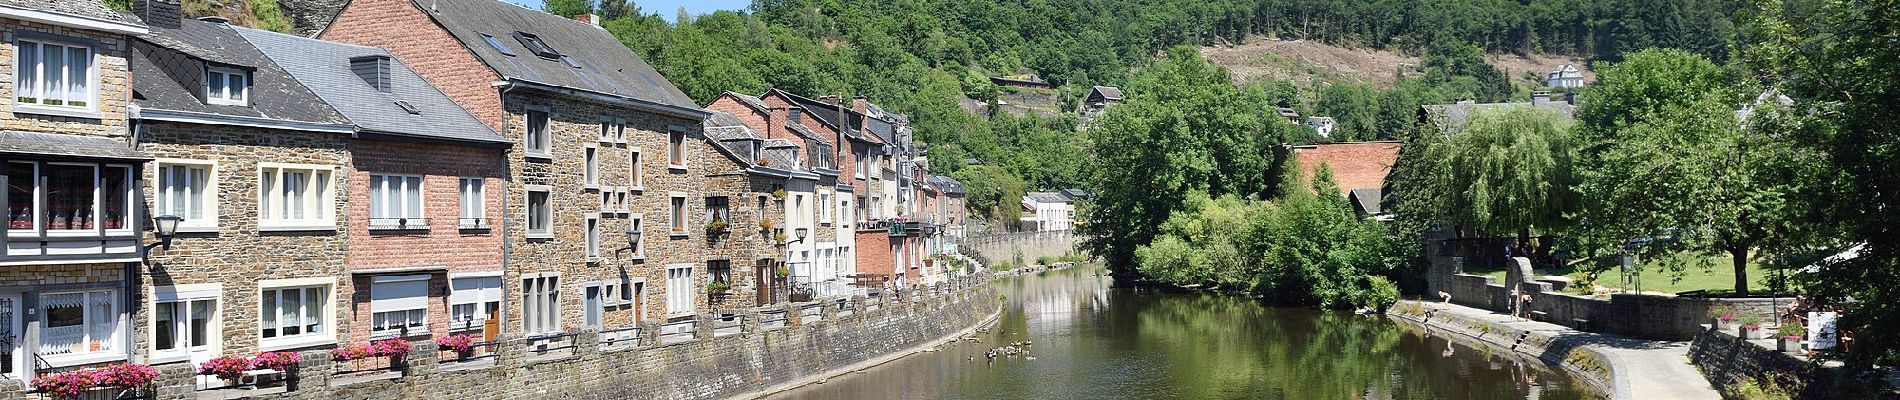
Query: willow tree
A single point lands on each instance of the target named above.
(1509, 170)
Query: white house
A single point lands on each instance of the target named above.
(1323, 125)
(1565, 76)
(1047, 211)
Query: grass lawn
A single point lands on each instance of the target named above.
(1721, 277)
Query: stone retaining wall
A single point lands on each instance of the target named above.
(754, 359)
(1003, 247)
(1643, 316)
(1728, 361)
(1584, 363)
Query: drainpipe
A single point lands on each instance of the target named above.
(507, 246)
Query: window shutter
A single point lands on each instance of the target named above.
(391, 293)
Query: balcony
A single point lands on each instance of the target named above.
(398, 224)
(471, 224)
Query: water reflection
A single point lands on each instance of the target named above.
(1093, 342)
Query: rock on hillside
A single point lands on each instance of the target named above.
(1303, 61)
(302, 17)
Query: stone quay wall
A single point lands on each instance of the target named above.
(1003, 247)
(1727, 361)
(769, 348)
(1635, 315)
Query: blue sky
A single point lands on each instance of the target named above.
(668, 8)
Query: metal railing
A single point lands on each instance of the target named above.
(476, 351)
(728, 325)
(773, 318)
(676, 332)
(376, 224)
(810, 313)
(548, 344)
(620, 337)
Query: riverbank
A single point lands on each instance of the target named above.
(822, 377)
(1621, 367)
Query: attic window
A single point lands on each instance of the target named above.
(373, 69)
(535, 45)
(410, 108)
(569, 61)
(227, 86)
(496, 43)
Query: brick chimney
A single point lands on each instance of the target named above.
(860, 105)
(159, 13)
(589, 18)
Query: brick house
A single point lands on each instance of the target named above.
(1358, 168)
(255, 164)
(603, 145)
(423, 254)
(74, 233)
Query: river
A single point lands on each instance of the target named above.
(1090, 341)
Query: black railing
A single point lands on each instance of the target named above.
(398, 223)
(548, 344)
(629, 336)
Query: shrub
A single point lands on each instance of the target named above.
(69, 384)
(1043, 260)
(277, 360)
(225, 367)
(1751, 322)
(1723, 311)
(459, 343)
(1794, 330)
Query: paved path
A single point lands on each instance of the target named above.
(1641, 369)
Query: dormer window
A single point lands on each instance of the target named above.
(227, 86)
(535, 45)
(373, 69)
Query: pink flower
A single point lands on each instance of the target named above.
(351, 352)
(129, 376)
(459, 343)
(277, 360)
(69, 384)
(225, 367)
(393, 348)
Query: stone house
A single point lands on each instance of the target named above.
(757, 168)
(256, 165)
(74, 234)
(1096, 102)
(815, 198)
(607, 168)
(424, 257)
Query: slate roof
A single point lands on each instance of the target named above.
(1075, 194)
(1452, 117)
(749, 100)
(606, 65)
(52, 144)
(168, 74)
(1354, 165)
(324, 67)
(1109, 92)
(780, 153)
(1047, 197)
(1369, 201)
(93, 9)
(946, 183)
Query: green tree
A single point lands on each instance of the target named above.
(1508, 171)
(568, 8)
(1354, 108)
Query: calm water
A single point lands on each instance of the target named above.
(1093, 342)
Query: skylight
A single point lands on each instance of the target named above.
(411, 108)
(569, 61)
(535, 45)
(496, 43)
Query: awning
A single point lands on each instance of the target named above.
(59, 145)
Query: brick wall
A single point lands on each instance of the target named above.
(425, 48)
(236, 254)
(443, 246)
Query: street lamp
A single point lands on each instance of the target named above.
(800, 233)
(165, 227)
(633, 242)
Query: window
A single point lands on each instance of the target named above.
(540, 213)
(496, 43)
(720, 271)
(537, 134)
(473, 300)
(227, 86)
(844, 211)
(591, 304)
(860, 210)
(718, 208)
(294, 314)
(183, 191)
(181, 323)
(862, 163)
(295, 197)
(607, 130)
(593, 238)
(67, 197)
(634, 168)
(541, 304)
(590, 174)
(534, 44)
(53, 74)
(473, 208)
(620, 130)
(679, 290)
(78, 323)
(399, 305)
(825, 207)
(676, 149)
(677, 213)
(393, 199)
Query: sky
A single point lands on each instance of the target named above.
(668, 8)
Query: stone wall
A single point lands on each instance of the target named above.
(755, 358)
(1003, 247)
(1658, 317)
(1728, 361)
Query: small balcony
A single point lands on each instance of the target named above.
(398, 224)
(473, 224)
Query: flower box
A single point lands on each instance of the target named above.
(1790, 344)
(1751, 332)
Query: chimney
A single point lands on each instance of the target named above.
(1540, 99)
(829, 99)
(159, 13)
(860, 104)
(589, 18)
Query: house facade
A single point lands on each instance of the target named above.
(74, 232)
(1564, 76)
(606, 182)
(1047, 211)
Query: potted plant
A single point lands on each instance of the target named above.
(715, 227)
(778, 193)
(1791, 334)
(69, 384)
(285, 361)
(1722, 316)
(1751, 327)
(717, 288)
(395, 348)
(767, 224)
(462, 344)
(350, 353)
(128, 377)
(779, 237)
(782, 271)
(764, 162)
(228, 368)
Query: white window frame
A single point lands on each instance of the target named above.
(113, 347)
(678, 220)
(537, 143)
(321, 213)
(844, 212)
(242, 89)
(593, 304)
(400, 196)
(41, 202)
(38, 80)
(207, 197)
(541, 303)
(325, 287)
(676, 157)
(634, 222)
(593, 238)
(187, 296)
(546, 231)
(590, 166)
(472, 192)
(636, 169)
(416, 316)
(479, 306)
(825, 206)
(606, 129)
(680, 290)
(620, 130)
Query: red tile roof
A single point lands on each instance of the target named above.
(1355, 165)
